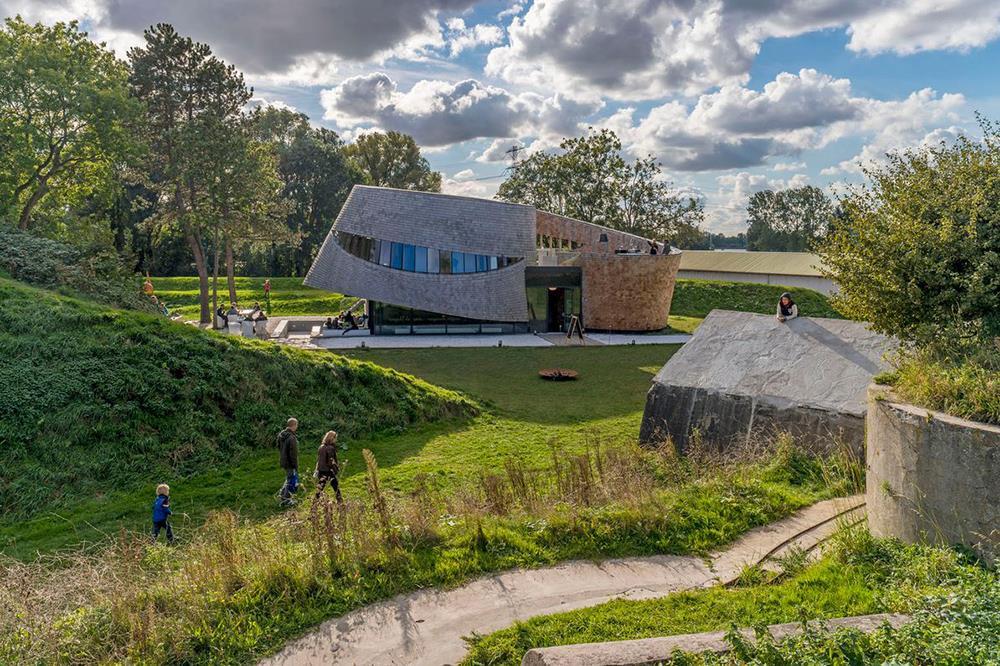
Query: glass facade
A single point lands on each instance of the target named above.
(418, 259)
(397, 320)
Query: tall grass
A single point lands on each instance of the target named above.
(238, 590)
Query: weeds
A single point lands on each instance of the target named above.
(238, 589)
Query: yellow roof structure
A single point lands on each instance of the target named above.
(771, 263)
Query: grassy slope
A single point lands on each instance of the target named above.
(696, 298)
(288, 296)
(94, 399)
(526, 415)
(827, 589)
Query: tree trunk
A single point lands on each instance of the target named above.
(230, 270)
(25, 219)
(194, 241)
(215, 276)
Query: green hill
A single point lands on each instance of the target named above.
(94, 399)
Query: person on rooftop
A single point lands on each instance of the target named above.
(787, 309)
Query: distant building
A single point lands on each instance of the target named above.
(791, 269)
(439, 264)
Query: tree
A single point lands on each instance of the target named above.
(791, 220)
(392, 159)
(317, 177)
(66, 118)
(916, 251)
(194, 105)
(591, 181)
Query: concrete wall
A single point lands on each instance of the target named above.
(743, 375)
(931, 476)
(822, 285)
(628, 292)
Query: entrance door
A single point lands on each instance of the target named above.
(557, 309)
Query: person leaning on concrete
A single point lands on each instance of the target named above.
(787, 309)
(327, 466)
(288, 457)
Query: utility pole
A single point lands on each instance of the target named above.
(514, 151)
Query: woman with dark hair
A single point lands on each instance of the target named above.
(787, 309)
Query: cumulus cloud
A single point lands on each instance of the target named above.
(461, 38)
(267, 38)
(485, 189)
(738, 128)
(643, 49)
(439, 113)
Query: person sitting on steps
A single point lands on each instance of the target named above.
(787, 309)
(352, 323)
(329, 324)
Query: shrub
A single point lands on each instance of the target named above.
(917, 251)
(98, 275)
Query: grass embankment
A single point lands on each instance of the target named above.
(694, 299)
(861, 575)
(288, 296)
(95, 400)
(967, 387)
(237, 591)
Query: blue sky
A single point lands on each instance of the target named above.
(732, 96)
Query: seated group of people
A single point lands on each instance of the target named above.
(255, 314)
(345, 321)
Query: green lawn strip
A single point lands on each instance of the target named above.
(682, 324)
(827, 589)
(529, 416)
(696, 298)
(288, 296)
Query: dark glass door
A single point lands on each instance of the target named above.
(557, 309)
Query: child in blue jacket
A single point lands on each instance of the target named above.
(161, 512)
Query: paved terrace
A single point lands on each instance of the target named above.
(356, 339)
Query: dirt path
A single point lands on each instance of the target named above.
(426, 627)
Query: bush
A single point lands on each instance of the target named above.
(98, 275)
(917, 252)
(967, 387)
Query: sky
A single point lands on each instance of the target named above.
(731, 96)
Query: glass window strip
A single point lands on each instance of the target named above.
(419, 259)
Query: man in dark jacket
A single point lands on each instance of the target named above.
(288, 458)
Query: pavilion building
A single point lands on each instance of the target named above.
(432, 263)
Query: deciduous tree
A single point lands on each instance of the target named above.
(66, 118)
(393, 159)
(790, 220)
(591, 180)
(916, 251)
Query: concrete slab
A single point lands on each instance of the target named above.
(744, 373)
(356, 339)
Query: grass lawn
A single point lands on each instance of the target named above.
(526, 415)
(288, 296)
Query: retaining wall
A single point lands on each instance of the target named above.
(932, 477)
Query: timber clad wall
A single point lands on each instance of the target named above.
(628, 292)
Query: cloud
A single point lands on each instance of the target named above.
(926, 25)
(738, 128)
(789, 166)
(461, 38)
(439, 113)
(485, 189)
(644, 49)
(896, 125)
(726, 208)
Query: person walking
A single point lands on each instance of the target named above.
(787, 309)
(267, 294)
(161, 513)
(288, 458)
(327, 466)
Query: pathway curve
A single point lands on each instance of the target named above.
(426, 627)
